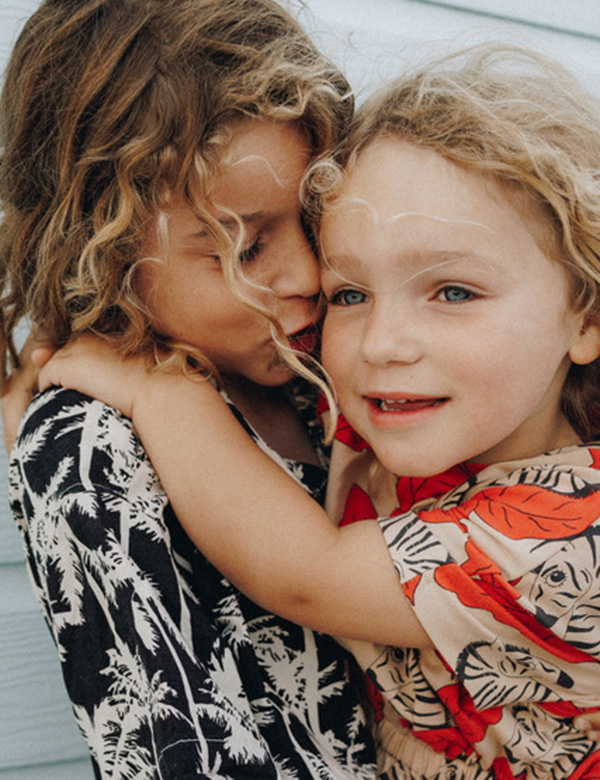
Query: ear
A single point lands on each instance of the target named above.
(586, 347)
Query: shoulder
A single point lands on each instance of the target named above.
(559, 478)
(65, 431)
(571, 471)
(515, 514)
(69, 414)
(550, 497)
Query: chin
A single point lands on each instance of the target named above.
(282, 378)
(273, 377)
(411, 467)
(278, 374)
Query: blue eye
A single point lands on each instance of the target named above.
(348, 298)
(455, 294)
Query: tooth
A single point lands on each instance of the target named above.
(388, 406)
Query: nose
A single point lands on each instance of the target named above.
(296, 271)
(391, 334)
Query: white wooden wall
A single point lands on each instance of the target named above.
(371, 40)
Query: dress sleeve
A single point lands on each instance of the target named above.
(140, 657)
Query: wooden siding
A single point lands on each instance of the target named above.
(370, 40)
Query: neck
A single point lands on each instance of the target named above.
(273, 416)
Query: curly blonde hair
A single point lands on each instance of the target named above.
(529, 123)
(109, 108)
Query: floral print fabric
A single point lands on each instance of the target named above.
(172, 673)
(501, 565)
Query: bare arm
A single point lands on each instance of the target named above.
(253, 522)
(22, 383)
(301, 569)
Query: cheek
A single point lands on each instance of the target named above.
(169, 305)
(145, 282)
(512, 349)
(160, 289)
(502, 376)
(335, 354)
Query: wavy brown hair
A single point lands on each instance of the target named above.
(109, 108)
(528, 122)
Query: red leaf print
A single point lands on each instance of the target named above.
(498, 597)
(358, 507)
(348, 436)
(410, 490)
(502, 771)
(529, 512)
(410, 587)
(588, 769)
(471, 724)
(449, 741)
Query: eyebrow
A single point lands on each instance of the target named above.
(229, 222)
(421, 262)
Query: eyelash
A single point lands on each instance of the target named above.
(337, 298)
(248, 255)
(470, 295)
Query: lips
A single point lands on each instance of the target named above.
(407, 404)
(304, 340)
(402, 409)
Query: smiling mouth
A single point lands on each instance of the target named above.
(405, 405)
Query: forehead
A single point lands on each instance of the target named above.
(267, 157)
(402, 209)
(257, 181)
(394, 183)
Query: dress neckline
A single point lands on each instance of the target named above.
(411, 490)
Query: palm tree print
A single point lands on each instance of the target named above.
(172, 673)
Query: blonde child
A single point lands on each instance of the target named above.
(152, 151)
(461, 268)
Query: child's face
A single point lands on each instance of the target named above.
(448, 332)
(187, 292)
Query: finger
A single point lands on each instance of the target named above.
(45, 377)
(36, 340)
(41, 355)
(20, 386)
(590, 730)
(16, 395)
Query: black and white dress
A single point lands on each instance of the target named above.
(172, 673)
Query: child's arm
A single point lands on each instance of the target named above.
(254, 523)
(20, 386)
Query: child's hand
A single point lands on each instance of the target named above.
(22, 384)
(91, 366)
(590, 724)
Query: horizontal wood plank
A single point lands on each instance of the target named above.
(581, 17)
(36, 721)
(78, 770)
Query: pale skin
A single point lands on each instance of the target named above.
(312, 549)
(432, 274)
(303, 566)
(18, 389)
(260, 181)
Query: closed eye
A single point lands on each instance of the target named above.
(245, 257)
(248, 255)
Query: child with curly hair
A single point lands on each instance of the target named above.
(460, 252)
(153, 156)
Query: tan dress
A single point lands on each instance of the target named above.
(501, 564)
